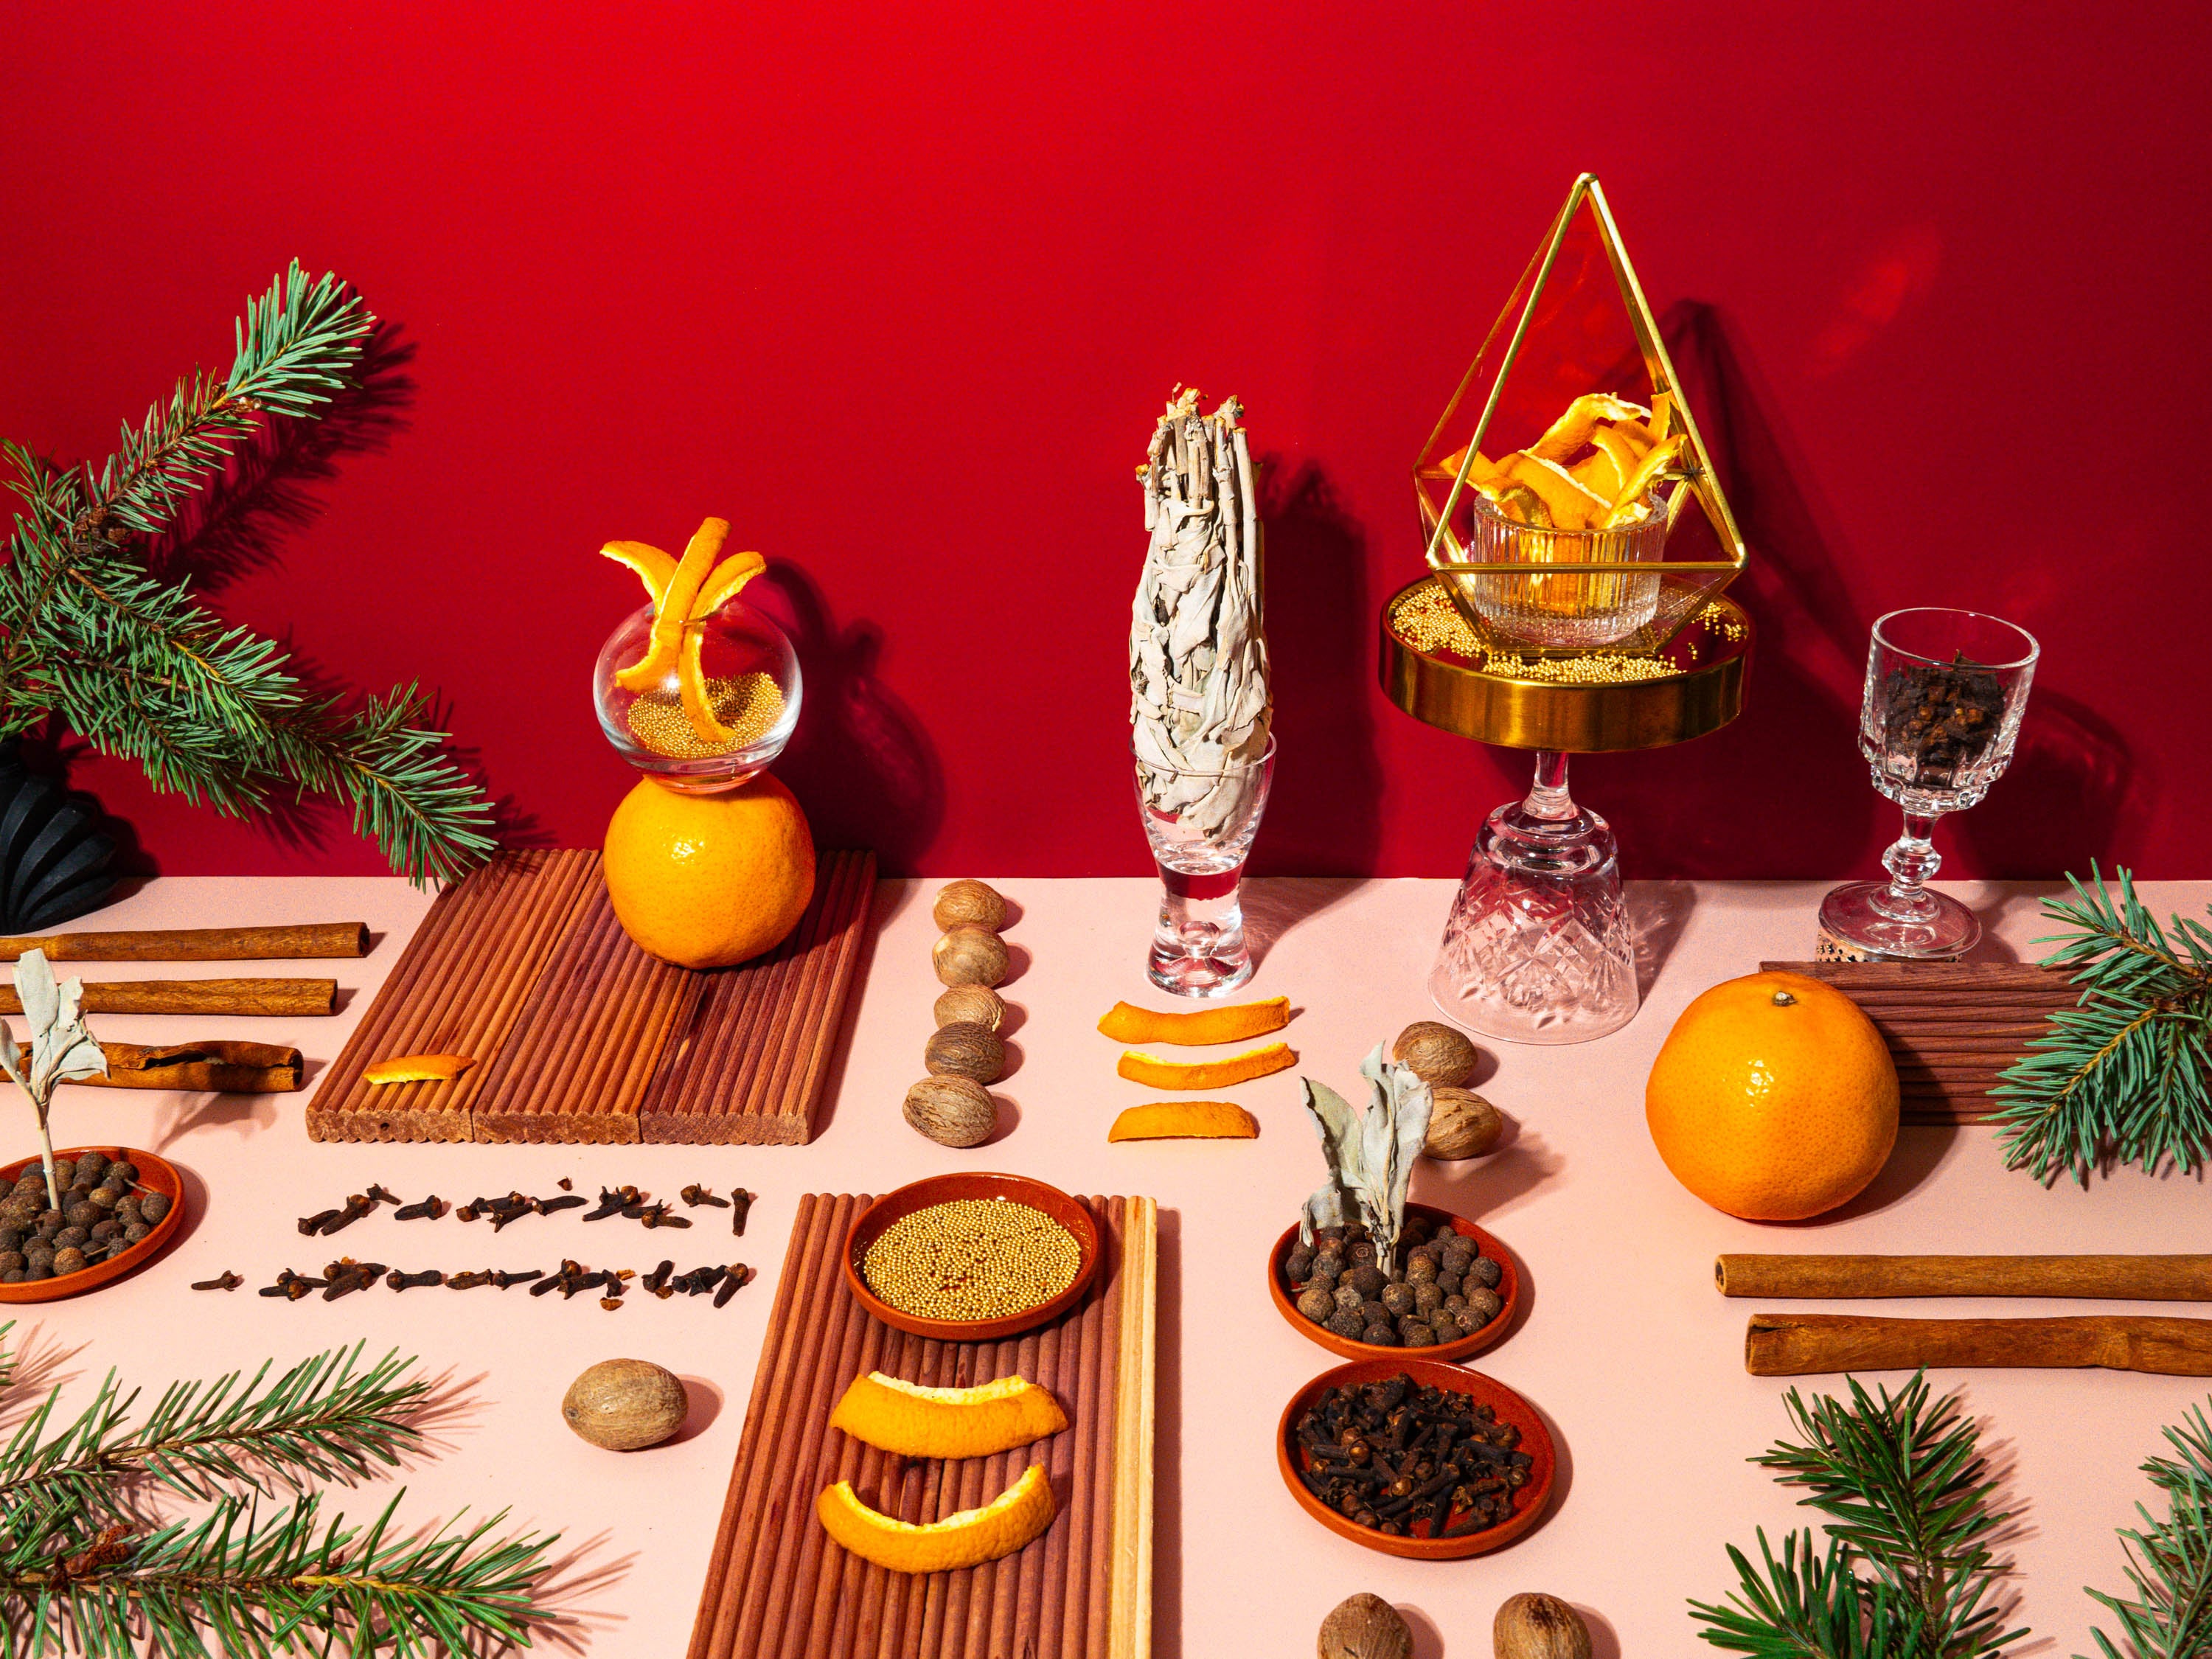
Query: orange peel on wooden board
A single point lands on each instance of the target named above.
(966, 1539)
(684, 591)
(1239, 1022)
(1156, 1073)
(417, 1068)
(1594, 468)
(894, 1415)
(1186, 1120)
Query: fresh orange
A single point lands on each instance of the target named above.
(1774, 1098)
(704, 881)
(967, 1539)
(897, 1416)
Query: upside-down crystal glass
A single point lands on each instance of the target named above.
(1945, 693)
(1200, 824)
(1539, 947)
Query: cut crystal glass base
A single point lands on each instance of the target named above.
(1539, 947)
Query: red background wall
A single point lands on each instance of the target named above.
(900, 289)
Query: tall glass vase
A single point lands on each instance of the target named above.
(1201, 823)
(1539, 947)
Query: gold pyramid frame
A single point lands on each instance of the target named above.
(1688, 586)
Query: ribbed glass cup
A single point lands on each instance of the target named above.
(1563, 610)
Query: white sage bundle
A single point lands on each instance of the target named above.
(1197, 658)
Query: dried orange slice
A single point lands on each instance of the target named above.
(1206, 1073)
(1572, 430)
(1638, 484)
(902, 1417)
(1186, 1120)
(967, 1539)
(1571, 505)
(664, 648)
(1238, 1022)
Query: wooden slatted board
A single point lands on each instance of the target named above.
(579, 1036)
(778, 1587)
(1952, 1027)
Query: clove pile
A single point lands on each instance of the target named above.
(1410, 1461)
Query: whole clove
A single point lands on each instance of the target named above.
(501, 1280)
(1410, 1461)
(739, 1274)
(399, 1282)
(376, 1194)
(543, 1284)
(311, 1224)
(548, 1206)
(346, 1283)
(659, 1277)
(613, 1202)
(356, 1208)
(468, 1281)
(346, 1264)
(429, 1209)
(658, 1216)
(225, 1281)
(695, 1195)
(741, 1202)
(579, 1282)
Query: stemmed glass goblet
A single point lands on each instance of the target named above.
(1201, 825)
(1945, 692)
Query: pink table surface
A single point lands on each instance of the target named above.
(1625, 1346)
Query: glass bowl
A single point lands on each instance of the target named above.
(1577, 610)
(751, 674)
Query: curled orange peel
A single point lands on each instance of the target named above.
(654, 567)
(684, 591)
(967, 1539)
(897, 1416)
(1237, 1023)
(1186, 1120)
(1206, 1073)
(664, 648)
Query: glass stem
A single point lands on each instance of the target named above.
(1912, 862)
(1547, 794)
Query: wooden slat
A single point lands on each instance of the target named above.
(778, 1587)
(581, 1037)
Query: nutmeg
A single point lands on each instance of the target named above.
(1539, 1627)
(1461, 1124)
(625, 1404)
(1365, 1626)
(953, 1111)
(964, 1050)
(969, 904)
(1436, 1052)
(971, 1005)
(970, 955)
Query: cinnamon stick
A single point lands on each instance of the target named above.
(2116, 1278)
(229, 1068)
(1799, 1345)
(315, 938)
(272, 997)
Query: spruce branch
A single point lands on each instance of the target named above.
(1909, 1569)
(137, 665)
(2125, 1075)
(2169, 1559)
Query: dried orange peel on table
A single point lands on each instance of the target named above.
(684, 591)
(897, 1416)
(1186, 1120)
(1237, 1023)
(1156, 1073)
(967, 1539)
(417, 1068)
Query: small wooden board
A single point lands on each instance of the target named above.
(778, 1587)
(579, 1036)
(1952, 1027)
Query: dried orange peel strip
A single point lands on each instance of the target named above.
(1186, 1120)
(417, 1068)
(729, 577)
(897, 1416)
(673, 609)
(1239, 1022)
(1206, 1073)
(967, 1539)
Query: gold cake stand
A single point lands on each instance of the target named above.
(1439, 670)
(1538, 946)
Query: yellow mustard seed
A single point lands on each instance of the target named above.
(749, 704)
(973, 1258)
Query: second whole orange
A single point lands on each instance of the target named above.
(708, 881)
(1774, 1098)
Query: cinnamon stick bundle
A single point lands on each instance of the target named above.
(2114, 1278)
(1799, 1345)
(318, 939)
(229, 1068)
(272, 997)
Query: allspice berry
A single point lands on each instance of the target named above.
(971, 1005)
(625, 1404)
(1436, 1052)
(1365, 1626)
(953, 1111)
(969, 904)
(1539, 1627)
(1461, 1124)
(964, 1050)
(970, 955)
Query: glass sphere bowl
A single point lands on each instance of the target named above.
(751, 676)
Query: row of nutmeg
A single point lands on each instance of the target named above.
(951, 1105)
(1461, 1124)
(1528, 1626)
